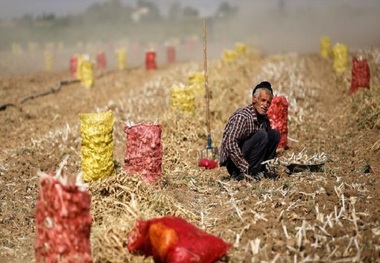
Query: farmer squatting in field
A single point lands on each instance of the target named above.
(248, 139)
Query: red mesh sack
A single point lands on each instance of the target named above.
(63, 222)
(278, 116)
(73, 65)
(170, 54)
(360, 75)
(172, 239)
(143, 154)
(101, 61)
(150, 60)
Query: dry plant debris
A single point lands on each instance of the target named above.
(324, 216)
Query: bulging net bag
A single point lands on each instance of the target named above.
(241, 49)
(101, 61)
(229, 56)
(325, 47)
(172, 239)
(97, 145)
(340, 52)
(121, 55)
(278, 116)
(197, 82)
(360, 75)
(87, 69)
(63, 221)
(171, 54)
(48, 58)
(150, 60)
(182, 98)
(143, 154)
(80, 60)
(73, 65)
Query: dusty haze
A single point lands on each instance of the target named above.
(272, 26)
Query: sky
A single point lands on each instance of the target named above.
(16, 8)
(354, 22)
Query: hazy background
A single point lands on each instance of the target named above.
(75, 26)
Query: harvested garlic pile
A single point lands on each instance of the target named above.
(303, 158)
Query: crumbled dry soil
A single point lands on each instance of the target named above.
(324, 216)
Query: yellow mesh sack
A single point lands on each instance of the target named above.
(87, 72)
(229, 56)
(48, 58)
(197, 81)
(182, 98)
(240, 49)
(97, 145)
(121, 55)
(325, 47)
(80, 60)
(340, 52)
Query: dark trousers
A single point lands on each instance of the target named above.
(258, 148)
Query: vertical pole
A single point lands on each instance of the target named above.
(207, 93)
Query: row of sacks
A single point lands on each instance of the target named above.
(360, 70)
(143, 153)
(63, 228)
(63, 219)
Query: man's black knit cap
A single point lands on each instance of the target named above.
(263, 84)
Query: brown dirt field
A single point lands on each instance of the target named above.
(328, 216)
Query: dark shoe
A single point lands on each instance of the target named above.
(237, 176)
(269, 173)
(258, 176)
(271, 176)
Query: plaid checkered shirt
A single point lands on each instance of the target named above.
(242, 124)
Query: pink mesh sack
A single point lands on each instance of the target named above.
(360, 75)
(278, 116)
(172, 239)
(63, 221)
(143, 154)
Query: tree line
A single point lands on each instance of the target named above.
(110, 21)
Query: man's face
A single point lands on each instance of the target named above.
(262, 102)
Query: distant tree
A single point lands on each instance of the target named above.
(174, 12)
(225, 10)
(25, 20)
(46, 17)
(108, 12)
(153, 13)
(190, 12)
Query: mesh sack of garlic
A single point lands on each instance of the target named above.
(63, 219)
